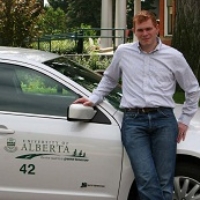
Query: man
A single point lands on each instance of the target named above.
(149, 71)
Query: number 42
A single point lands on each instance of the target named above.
(28, 169)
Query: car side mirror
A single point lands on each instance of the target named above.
(79, 112)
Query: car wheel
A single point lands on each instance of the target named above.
(187, 182)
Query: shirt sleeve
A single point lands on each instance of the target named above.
(188, 82)
(109, 80)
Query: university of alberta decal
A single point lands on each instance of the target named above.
(48, 150)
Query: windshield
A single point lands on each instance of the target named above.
(83, 76)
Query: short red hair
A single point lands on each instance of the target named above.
(143, 16)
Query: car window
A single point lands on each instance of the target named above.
(28, 91)
(85, 77)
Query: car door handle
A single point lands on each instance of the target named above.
(5, 130)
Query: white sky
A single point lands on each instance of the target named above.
(45, 2)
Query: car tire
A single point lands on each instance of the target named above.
(186, 183)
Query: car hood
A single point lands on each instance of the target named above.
(17, 53)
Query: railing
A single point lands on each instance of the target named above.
(79, 35)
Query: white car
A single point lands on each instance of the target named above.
(51, 149)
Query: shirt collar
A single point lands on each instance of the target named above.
(158, 47)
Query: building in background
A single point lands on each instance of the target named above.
(164, 10)
(166, 16)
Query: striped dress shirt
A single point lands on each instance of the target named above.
(149, 79)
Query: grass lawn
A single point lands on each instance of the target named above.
(179, 97)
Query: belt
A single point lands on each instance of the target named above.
(141, 110)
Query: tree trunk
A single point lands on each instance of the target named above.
(186, 36)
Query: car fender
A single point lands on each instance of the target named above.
(190, 146)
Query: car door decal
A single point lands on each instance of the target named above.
(48, 150)
(28, 169)
(10, 147)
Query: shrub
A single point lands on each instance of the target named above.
(94, 61)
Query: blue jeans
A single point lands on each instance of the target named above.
(150, 140)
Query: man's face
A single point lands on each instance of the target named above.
(146, 33)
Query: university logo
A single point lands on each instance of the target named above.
(11, 142)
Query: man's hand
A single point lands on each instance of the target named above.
(182, 132)
(84, 101)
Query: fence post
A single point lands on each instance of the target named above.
(38, 43)
(80, 42)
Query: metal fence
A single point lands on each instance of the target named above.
(78, 36)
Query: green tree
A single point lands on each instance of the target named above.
(62, 4)
(18, 20)
(52, 21)
(186, 35)
(83, 12)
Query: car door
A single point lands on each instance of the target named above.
(45, 156)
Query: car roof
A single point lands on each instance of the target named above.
(18, 53)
